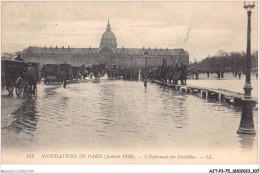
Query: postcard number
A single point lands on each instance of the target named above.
(29, 155)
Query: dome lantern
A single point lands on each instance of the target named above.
(108, 26)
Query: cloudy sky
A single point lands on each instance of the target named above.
(201, 28)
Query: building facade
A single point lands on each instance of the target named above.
(107, 54)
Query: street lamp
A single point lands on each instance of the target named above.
(131, 68)
(247, 123)
(145, 78)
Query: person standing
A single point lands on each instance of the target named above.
(208, 73)
(239, 74)
(218, 75)
(64, 83)
(222, 74)
(19, 57)
(176, 74)
(197, 75)
(185, 73)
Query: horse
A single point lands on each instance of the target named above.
(163, 74)
(183, 76)
(33, 78)
(29, 81)
(179, 74)
(176, 75)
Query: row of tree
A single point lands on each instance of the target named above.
(226, 62)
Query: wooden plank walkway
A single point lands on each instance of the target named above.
(209, 93)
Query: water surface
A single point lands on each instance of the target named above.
(121, 115)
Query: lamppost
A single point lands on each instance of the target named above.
(131, 68)
(145, 75)
(247, 123)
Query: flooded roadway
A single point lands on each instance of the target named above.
(118, 114)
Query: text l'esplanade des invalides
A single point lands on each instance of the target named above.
(107, 54)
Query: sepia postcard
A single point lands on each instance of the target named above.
(129, 82)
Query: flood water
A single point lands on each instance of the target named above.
(121, 115)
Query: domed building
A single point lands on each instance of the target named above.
(107, 54)
(108, 39)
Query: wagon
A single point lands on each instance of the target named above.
(76, 72)
(21, 76)
(12, 70)
(65, 72)
(50, 73)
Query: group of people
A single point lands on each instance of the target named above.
(166, 74)
(125, 73)
(221, 74)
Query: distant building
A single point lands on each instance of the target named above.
(8, 56)
(107, 54)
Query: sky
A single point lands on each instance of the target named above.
(201, 28)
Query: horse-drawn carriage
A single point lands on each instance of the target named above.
(65, 72)
(130, 74)
(79, 72)
(50, 73)
(114, 72)
(76, 73)
(98, 70)
(21, 76)
(56, 73)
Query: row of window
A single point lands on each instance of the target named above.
(155, 61)
(95, 53)
(116, 57)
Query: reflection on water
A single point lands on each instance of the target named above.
(25, 118)
(246, 141)
(122, 114)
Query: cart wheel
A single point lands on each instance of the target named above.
(10, 90)
(19, 86)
